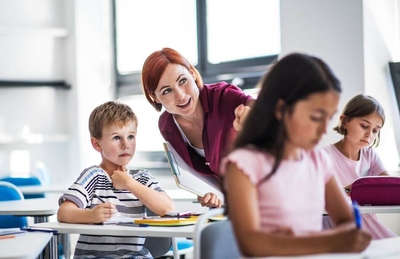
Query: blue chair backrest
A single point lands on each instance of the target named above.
(9, 192)
(24, 181)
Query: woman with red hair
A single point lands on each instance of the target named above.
(200, 120)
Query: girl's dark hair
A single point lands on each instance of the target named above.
(359, 106)
(293, 78)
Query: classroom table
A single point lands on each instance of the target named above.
(379, 209)
(382, 248)
(27, 245)
(89, 229)
(40, 208)
(43, 189)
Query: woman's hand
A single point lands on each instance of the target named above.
(241, 113)
(210, 200)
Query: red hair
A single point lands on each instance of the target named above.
(154, 67)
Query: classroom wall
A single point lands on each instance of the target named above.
(54, 40)
(357, 39)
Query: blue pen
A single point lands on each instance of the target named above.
(357, 215)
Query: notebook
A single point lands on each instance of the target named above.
(160, 221)
(189, 179)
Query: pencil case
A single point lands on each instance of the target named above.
(376, 190)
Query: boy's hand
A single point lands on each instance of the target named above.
(103, 212)
(120, 178)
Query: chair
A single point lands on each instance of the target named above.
(24, 181)
(157, 246)
(215, 240)
(9, 192)
(184, 246)
(162, 247)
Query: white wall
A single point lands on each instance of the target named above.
(357, 39)
(54, 40)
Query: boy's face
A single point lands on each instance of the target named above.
(117, 145)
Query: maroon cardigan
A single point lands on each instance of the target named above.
(219, 102)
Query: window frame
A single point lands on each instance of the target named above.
(250, 70)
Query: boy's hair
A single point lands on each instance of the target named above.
(359, 106)
(292, 79)
(154, 67)
(109, 114)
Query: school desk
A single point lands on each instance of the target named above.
(89, 229)
(382, 248)
(27, 245)
(43, 189)
(40, 208)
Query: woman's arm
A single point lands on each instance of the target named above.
(243, 207)
(241, 113)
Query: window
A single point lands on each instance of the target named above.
(224, 39)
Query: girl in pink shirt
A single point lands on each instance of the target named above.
(277, 185)
(353, 156)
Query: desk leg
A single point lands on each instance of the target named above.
(66, 244)
(54, 246)
(41, 219)
(175, 248)
(51, 250)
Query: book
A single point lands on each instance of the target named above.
(117, 218)
(188, 178)
(162, 221)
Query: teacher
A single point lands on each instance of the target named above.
(199, 121)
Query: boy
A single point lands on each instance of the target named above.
(101, 191)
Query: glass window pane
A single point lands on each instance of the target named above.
(242, 29)
(144, 26)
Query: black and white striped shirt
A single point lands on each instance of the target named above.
(95, 180)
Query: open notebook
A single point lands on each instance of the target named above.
(189, 179)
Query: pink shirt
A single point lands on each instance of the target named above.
(294, 196)
(347, 171)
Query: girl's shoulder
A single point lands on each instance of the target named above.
(321, 156)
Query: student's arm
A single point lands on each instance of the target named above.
(158, 202)
(336, 205)
(243, 207)
(69, 212)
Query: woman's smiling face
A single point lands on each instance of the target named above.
(177, 91)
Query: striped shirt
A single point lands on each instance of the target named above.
(95, 180)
